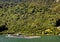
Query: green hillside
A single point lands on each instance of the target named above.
(34, 17)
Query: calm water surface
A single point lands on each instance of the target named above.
(42, 39)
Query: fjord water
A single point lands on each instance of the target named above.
(42, 39)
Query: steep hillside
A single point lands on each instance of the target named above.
(31, 17)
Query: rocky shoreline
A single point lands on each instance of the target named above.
(21, 36)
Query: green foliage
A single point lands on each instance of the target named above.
(29, 18)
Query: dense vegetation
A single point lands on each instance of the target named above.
(34, 17)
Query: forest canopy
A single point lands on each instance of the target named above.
(30, 17)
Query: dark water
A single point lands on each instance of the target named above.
(42, 39)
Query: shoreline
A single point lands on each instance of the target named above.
(20, 36)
